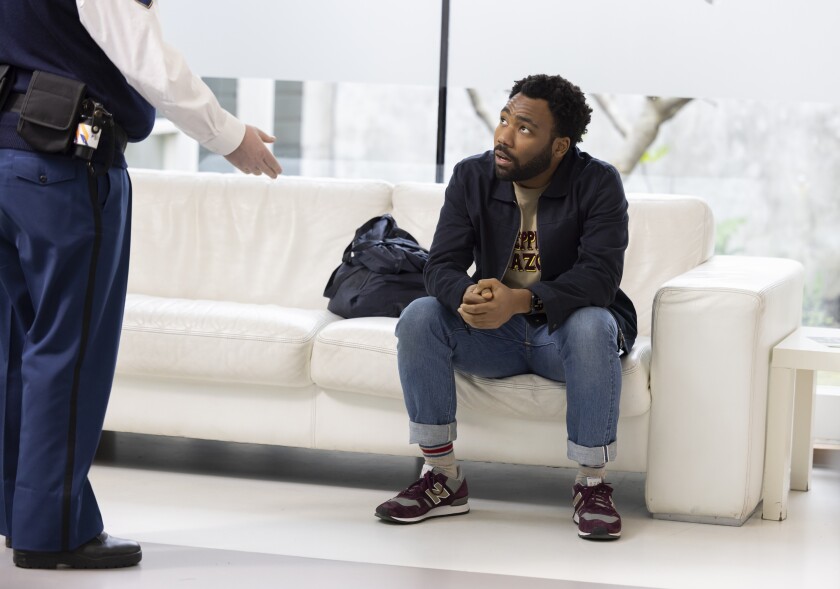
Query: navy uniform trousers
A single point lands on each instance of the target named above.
(63, 272)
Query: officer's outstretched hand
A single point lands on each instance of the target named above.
(253, 157)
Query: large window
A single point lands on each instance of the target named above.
(359, 85)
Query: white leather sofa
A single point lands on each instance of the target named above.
(227, 337)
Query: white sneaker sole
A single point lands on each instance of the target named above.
(436, 512)
(603, 535)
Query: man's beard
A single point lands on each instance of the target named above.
(533, 167)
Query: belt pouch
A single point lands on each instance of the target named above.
(50, 112)
(5, 83)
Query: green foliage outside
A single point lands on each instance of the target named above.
(724, 232)
(654, 155)
(814, 312)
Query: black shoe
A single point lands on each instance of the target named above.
(8, 542)
(103, 552)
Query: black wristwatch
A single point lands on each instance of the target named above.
(536, 304)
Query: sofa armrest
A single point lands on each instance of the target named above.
(713, 332)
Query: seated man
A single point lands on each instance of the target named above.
(546, 226)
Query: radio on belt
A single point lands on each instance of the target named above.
(92, 119)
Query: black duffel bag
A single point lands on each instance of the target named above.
(381, 272)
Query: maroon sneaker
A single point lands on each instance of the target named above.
(433, 495)
(595, 512)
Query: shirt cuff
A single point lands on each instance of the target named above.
(229, 138)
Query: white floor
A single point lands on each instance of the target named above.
(259, 507)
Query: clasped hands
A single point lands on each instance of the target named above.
(489, 304)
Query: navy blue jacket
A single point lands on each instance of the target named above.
(581, 226)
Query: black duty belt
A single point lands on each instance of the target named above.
(14, 103)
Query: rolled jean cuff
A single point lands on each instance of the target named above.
(432, 435)
(591, 456)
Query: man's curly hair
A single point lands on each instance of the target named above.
(565, 101)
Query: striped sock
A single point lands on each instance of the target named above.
(441, 457)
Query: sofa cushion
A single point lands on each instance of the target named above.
(228, 237)
(213, 340)
(360, 356)
(417, 209)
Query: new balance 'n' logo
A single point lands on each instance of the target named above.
(437, 493)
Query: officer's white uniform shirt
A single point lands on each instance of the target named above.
(129, 32)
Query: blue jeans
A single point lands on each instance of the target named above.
(583, 352)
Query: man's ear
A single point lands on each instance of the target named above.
(561, 146)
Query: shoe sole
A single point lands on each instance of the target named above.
(598, 534)
(52, 561)
(436, 512)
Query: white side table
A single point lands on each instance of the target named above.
(788, 456)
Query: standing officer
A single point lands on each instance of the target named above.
(65, 206)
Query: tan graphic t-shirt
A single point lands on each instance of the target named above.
(524, 267)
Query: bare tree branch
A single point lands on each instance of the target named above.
(608, 106)
(481, 111)
(668, 107)
(643, 133)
